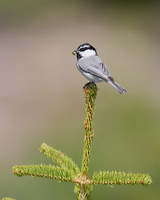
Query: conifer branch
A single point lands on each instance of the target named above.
(69, 171)
(83, 188)
(120, 178)
(44, 171)
(58, 157)
(90, 90)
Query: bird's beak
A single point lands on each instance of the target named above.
(74, 52)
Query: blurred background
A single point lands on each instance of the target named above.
(41, 96)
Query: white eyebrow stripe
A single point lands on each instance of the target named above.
(84, 46)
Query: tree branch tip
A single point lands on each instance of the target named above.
(90, 88)
(43, 145)
(121, 178)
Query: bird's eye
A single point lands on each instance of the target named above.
(83, 49)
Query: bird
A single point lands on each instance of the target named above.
(92, 67)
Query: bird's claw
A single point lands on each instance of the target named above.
(89, 85)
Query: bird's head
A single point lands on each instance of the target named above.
(85, 50)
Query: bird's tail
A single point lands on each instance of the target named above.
(117, 87)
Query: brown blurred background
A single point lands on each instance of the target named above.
(41, 96)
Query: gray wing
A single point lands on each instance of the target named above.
(94, 66)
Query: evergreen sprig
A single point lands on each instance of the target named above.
(58, 157)
(68, 171)
(44, 171)
(90, 95)
(120, 178)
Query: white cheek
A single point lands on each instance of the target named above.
(88, 53)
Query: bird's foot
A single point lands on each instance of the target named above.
(90, 85)
(94, 84)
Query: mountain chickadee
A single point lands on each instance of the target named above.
(92, 67)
